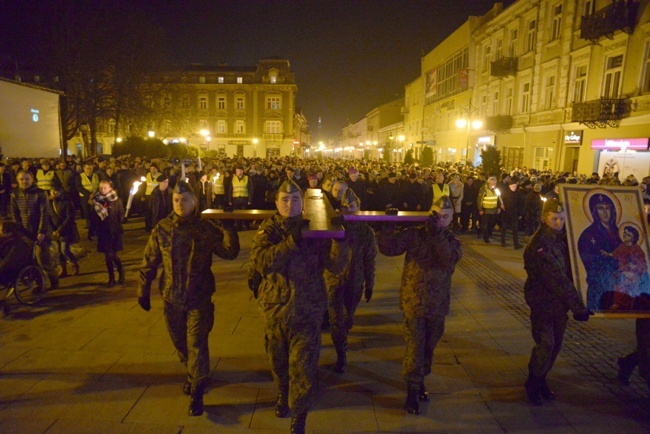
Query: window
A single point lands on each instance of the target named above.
(111, 126)
(495, 104)
(240, 80)
(590, 6)
(203, 124)
(239, 103)
(273, 103)
(549, 93)
(448, 77)
(645, 85)
(240, 127)
(580, 84)
(514, 36)
(530, 35)
(203, 102)
(273, 127)
(499, 51)
(525, 98)
(221, 127)
(556, 28)
(612, 81)
(202, 79)
(483, 108)
(274, 80)
(486, 58)
(221, 102)
(220, 80)
(509, 94)
(185, 102)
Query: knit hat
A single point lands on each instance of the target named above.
(162, 178)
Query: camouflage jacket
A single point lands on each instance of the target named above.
(549, 286)
(184, 247)
(431, 257)
(360, 263)
(293, 289)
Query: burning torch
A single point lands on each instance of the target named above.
(132, 193)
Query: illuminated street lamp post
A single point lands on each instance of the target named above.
(151, 134)
(468, 124)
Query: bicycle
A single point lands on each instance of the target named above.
(29, 287)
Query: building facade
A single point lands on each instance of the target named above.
(565, 85)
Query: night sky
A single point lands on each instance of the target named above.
(348, 56)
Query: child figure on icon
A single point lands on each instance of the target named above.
(632, 273)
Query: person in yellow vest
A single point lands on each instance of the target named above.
(218, 189)
(45, 177)
(488, 207)
(87, 186)
(439, 188)
(151, 184)
(240, 192)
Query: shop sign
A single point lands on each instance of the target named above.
(573, 137)
(640, 144)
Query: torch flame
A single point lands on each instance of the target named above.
(136, 184)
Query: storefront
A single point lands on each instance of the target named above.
(571, 143)
(628, 156)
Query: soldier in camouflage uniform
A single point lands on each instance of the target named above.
(184, 244)
(550, 293)
(293, 299)
(346, 288)
(432, 251)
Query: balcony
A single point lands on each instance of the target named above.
(498, 123)
(620, 15)
(504, 67)
(601, 113)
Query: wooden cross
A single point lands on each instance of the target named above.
(324, 222)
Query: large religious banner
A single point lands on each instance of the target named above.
(608, 246)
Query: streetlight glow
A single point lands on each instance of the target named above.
(204, 133)
(477, 124)
(461, 123)
(151, 134)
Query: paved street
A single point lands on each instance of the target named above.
(89, 360)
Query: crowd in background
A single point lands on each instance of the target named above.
(239, 182)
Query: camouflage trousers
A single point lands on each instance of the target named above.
(189, 330)
(548, 333)
(422, 335)
(293, 352)
(343, 302)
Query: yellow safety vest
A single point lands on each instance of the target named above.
(490, 200)
(240, 186)
(44, 180)
(217, 186)
(91, 184)
(439, 193)
(151, 184)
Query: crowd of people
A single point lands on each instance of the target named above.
(298, 280)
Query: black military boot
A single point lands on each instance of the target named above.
(120, 274)
(546, 391)
(298, 423)
(412, 405)
(423, 395)
(111, 281)
(626, 365)
(341, 361)
(282, 403)
(196, 401)
(533, 386)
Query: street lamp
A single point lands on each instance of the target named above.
(152, 134)
(468, 124)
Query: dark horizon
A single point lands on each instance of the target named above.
(348, 56)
